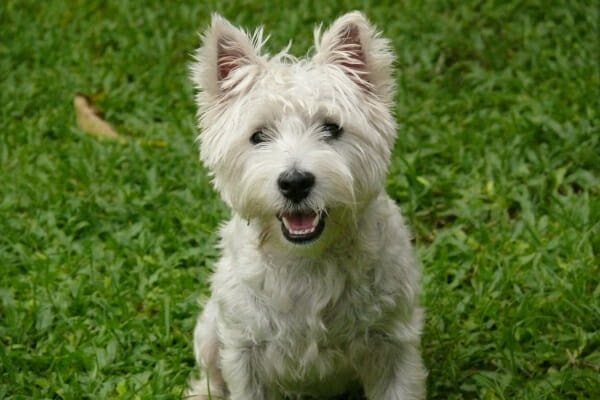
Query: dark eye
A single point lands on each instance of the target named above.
(332, 131)
(259, 137)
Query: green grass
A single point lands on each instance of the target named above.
(106, 247)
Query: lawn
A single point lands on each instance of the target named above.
(106, 245)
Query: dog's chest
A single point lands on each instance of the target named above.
(315, 324)
(316, 311)
(307, 324)
(328, 303)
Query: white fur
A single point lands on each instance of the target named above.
(342, 311)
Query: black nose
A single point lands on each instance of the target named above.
(295, 185)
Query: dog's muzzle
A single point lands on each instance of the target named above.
(302, 227)
(299, 225)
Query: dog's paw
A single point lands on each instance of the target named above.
(200, 390)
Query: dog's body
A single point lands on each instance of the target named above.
(317, 289)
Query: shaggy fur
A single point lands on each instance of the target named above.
(316, 293)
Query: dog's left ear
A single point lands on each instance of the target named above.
(353, 44)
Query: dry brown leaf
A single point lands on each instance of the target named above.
(89, 119)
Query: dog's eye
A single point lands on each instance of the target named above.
(332, 131)
(259, 137)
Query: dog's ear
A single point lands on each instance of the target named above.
(353, 44)
(225, 51)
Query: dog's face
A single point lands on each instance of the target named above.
(298, 145)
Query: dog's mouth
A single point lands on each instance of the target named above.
(302, 227)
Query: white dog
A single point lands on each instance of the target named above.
(316, 293)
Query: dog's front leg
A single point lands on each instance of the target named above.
(394, 371)
(241, 369)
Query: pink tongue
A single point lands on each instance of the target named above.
(300, 221)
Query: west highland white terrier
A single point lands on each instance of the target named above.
(316, 292)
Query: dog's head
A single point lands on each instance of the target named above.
(299, 145)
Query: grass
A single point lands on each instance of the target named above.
(106, 247)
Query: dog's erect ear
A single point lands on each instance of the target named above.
(225, 50)
(353, 44)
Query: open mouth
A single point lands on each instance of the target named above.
(301, 227)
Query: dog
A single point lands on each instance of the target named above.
(316, 292)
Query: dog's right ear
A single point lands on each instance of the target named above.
(227, 55)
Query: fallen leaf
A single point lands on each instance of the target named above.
(90, 120)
